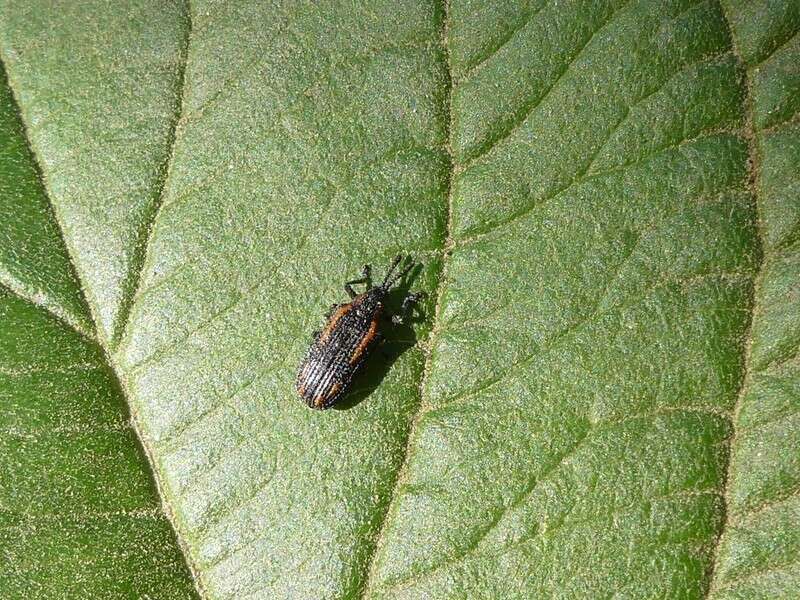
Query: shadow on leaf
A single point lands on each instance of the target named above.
(398, 338)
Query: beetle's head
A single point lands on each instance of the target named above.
(371, 300)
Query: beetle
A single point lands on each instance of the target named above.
(352, 330)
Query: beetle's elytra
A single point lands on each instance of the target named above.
(352, 330)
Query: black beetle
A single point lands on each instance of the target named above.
(352, 330)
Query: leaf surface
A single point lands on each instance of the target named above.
(759, 551)
(600, 398)
(79, 515)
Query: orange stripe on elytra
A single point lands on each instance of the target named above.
(320, 399)
(340, 312)
(373, 329)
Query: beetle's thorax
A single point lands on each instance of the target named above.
(370, 302)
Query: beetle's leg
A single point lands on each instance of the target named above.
(348, 287)
(366, 277)
(406, 308)
(316, 334)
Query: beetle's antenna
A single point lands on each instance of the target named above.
(390, 270)
(390, 279)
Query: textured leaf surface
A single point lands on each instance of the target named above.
(79, 516)
(759, 555)
(588, 356)
(603, 396)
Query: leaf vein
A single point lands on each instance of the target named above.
(527, 110)
(144, 235)
(552, 342)
(502, 42)
(746, 363)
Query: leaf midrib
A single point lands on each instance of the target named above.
(95, 337)
(448, 244)
(747, 343)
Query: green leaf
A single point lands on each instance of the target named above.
(602, 398)
(759, 552)
(79, 515)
